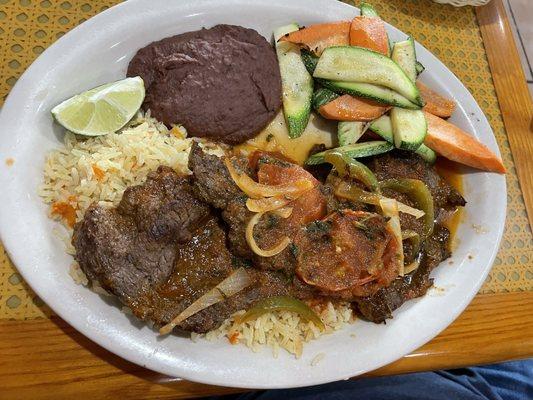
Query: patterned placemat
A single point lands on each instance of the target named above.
(27, 27)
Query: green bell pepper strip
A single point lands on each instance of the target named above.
(419, 193)
(353, 168)
(282, 303)
(357, 194)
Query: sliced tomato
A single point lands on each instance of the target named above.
(346, 250)
(309, 206)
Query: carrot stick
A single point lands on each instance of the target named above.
(349, 108)
(457, 145)
(435, 103)
(320, 36)
(370, 33)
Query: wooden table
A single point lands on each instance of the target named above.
(49, 359)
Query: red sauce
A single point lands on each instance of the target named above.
(310, 206)
(200, 264)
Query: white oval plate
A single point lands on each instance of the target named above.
(98, 51)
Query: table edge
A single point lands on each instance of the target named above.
(49, 354)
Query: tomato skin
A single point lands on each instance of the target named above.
(346, 253)
(310, 206)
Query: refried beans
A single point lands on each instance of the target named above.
(222, 83)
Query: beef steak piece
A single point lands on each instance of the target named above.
(160, 250)
(379, 307)
(397, 164)
(201, 264)
(131, 248)
(213, 184)
(404, 164)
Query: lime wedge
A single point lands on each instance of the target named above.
(104, 109)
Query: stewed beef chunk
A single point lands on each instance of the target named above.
(397, 165)
(379, 307)
(404, 164)
(131, 248)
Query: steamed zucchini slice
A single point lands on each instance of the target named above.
(359, 65)
(322, 96)
(357, 150)
(349, 132)
(419, 68)
(310, 60)
(379, 94)
(409, 127)
(296, 83)
(383, 127)
(427, 154)
(367, 10)
(404, 54)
